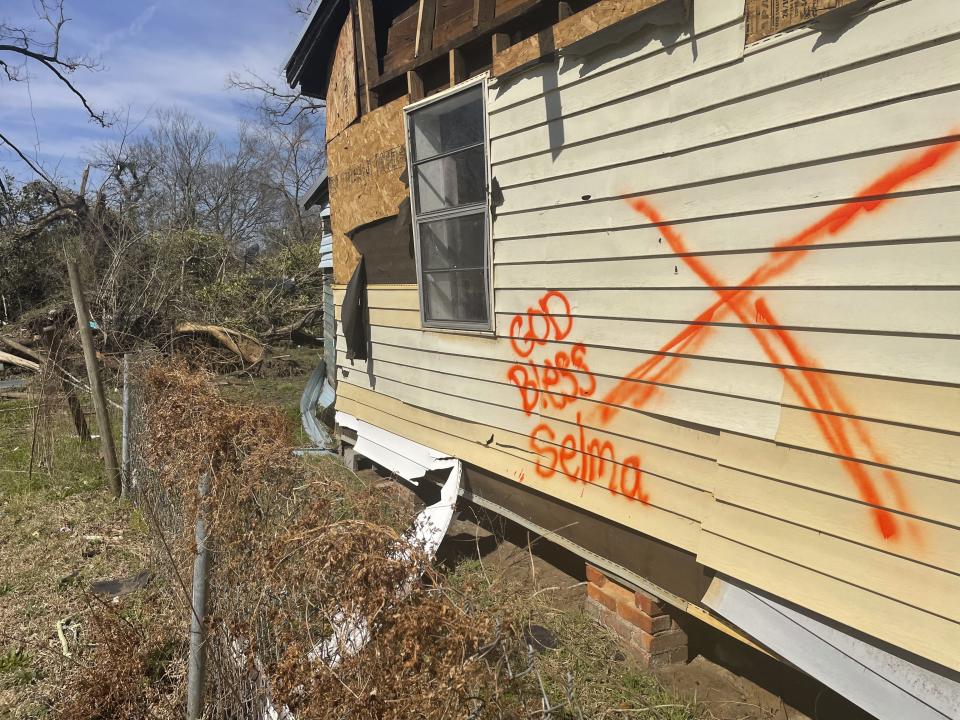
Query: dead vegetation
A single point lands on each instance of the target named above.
(295, 545)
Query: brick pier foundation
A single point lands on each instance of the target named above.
(648, 631)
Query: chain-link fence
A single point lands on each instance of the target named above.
(294, 547)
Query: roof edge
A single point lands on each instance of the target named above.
(325, 21)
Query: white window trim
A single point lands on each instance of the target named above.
(488, 327)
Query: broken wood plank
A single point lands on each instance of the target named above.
(20, 348)
(483, 11)
(426, 19)
(500, 42)
(11, 359)
(414, 85)
(443, 43)
(458, 67)
(368, 52)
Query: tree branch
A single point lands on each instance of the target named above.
(276, 104)
(28, 161)
(51, 62)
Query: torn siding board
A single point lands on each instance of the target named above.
(922, 634)
(329, 330)
(726, 314)
(387, 246)
(884, 684)
(467, 440)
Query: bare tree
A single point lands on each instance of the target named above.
(22, 47)
(303, 7)
(281, 105)
(278, 103)
(296, 160)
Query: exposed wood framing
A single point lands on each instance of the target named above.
(566, 32)
(564, 10)
(483, 11)
(426, 19)
(458, 67)
(500, 42)
(437, 51)
(414, 85)
(368, 52)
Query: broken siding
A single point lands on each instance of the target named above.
(744, 264)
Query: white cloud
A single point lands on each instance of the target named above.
(173, 53)
(112, 38)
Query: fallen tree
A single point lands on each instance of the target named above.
(246, 347)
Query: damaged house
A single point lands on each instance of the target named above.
(676, 281)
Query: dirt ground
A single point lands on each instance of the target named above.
(726, 679)
(60, 533)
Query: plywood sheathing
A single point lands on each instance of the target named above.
(566, 32)
(766, 17)
(342, 92)
(365, 163)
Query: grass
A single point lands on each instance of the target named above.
(17, 667)
(585, 662)
(60, 528)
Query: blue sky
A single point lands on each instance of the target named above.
(155, 53)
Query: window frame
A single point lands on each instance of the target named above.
(482, 207)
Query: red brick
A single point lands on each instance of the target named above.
(661, 642)
(595, 576)
(620, 626)
(662, 623)
(609, 619)
(637, 643)
(614, 592)
(598, 595)
(638, 617)
(648, 603)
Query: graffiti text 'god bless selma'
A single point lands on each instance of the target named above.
(559, 382)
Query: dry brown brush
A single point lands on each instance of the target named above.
(299, 549)
(295, 545)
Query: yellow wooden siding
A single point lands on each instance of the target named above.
(803, 439)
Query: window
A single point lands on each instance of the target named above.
(447, 144)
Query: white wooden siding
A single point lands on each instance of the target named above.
(755, 445)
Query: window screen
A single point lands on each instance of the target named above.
(448, 158)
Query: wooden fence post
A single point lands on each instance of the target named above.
(93, 373)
